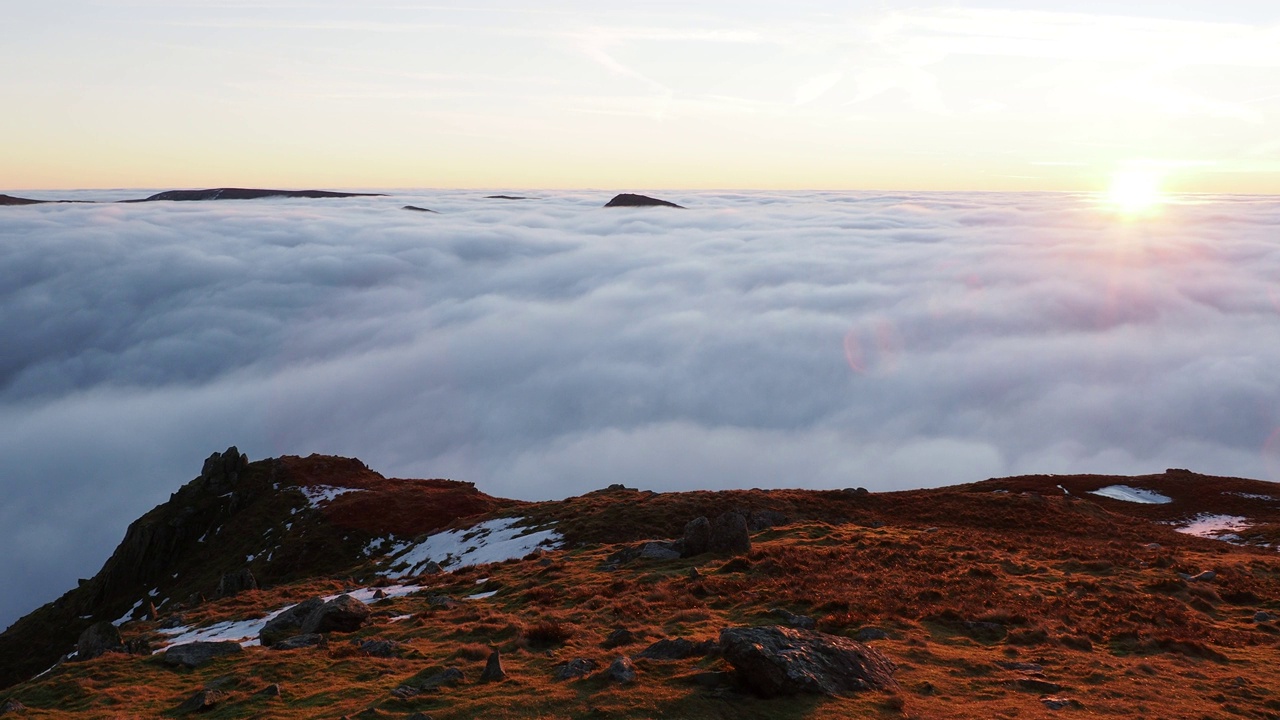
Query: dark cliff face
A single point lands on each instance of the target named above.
(247, 194)
(633, 200)
(11, 200)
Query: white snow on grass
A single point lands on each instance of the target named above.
(317, 494)
(483, 595)
(1214, 527)
(489, 542)
(246, 632)
(1132, 494)
(1251, 496)
(127, 615)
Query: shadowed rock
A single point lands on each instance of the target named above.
(247, 194)
(729, 534)
(677, 649)
(632, 200)
(697, 536)
(233, 583)
(98, 639)
(193, 655)
(301, 641)
(202, 701)
(576, 668)
(288, 623)
(621, 670)
(341, 614)
(775, 660)
(493, 671)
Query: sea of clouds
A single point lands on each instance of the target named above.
(547, 347)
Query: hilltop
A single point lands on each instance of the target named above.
(316, 587)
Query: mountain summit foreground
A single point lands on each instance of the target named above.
(316, 587)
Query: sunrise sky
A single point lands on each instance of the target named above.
(499, 93)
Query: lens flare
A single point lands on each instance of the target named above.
(1135, 191)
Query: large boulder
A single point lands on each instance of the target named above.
(729, 534)
(98, 639)
(775, 660)
(341, 614)
(233, 583)
(697, 536)
(288, 623)
(196, 654)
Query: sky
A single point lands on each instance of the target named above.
(548, 347)
(807, 94)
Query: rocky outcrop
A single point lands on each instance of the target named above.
(234, 583)
(196, 654)
(633, 200)
(97, 640)
(621, 670)
(11, 200)
(288, 623)
(775, 660)
(341, 614)
(247, 194)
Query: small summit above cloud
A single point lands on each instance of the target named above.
(632, 200)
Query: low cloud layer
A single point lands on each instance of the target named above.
(548, 347)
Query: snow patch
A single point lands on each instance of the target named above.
(483, 595)
(317, 494)
(127, 615)
(1251, 496)
(1132, 494)
(489, 542)
(1214, 527)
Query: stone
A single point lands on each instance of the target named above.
(377, 647)
(493, 671)
(272, 690)
(196, 654)
(11, 706)
(729, 534)
(98, 639)
(697, 536)
(765, 519)
(774, 660)
(288, 623)
(234, 583)
(138, 646)
(202, 701)
(301, 641)
(448, 677)
(621, 670)
(1035, 685)
(1263, 616)
(431, 567)
(1206, 576)
(633, 200)
(677, 649)
(576, 668)
(1060, 703)
(173, 621)
(870, 633)
(618, 637)
(221, 471)
(659, 551)
(804, 622)
(341, 614)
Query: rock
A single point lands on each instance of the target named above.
(870, 633)
(236, 582)
(248, 194)
(621, 636)
(415, 208)
(379, 594)
(1153, 546)
(1206, 576)
(430, 567)
(804, 622)
(659, 551)
(621, 670)
(272, 690)
(301, 641)
(1263, 616)
(202, 701)
(193, 655)
(576, 668)
(712, 680)
(221, 471)
(1060, 703)
(775, 660)
(694, 574)
(493, 671)
(729, 534)
(138, 646)
(445, 678)
(376, 647)
(173, 621)
(632, 200)
(98, 639)
(765, 519)
(288, 623)
(341, 614)
(697, 536)
(1034, 685)
(677, 649)
(11, 706)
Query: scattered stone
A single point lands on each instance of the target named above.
(576, 668)
(138, 646)
(379, 594)
(493, 671)
(870, 633)
(196, 654)
(1263, 616)
(236, 582)
(677, 649)
(804, 622)
(1060, 703)
(417, 685)
(173, 621)
(1034, 685)
(633, 200)
(341, 614)
(301, 641)
(697, 536)
(288, 623)
(431, 567)
(729, 534)
(98, 639)
(11, 706)
(272, 690)
(621, 636)
(694, 574)
(659, 551)
(377, 647)
(202, 701)
(621, 670)
(774, 660)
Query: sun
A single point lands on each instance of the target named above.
(1135, 191)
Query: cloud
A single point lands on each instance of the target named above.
(550, 347)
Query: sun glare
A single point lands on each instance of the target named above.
(1135, 191)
